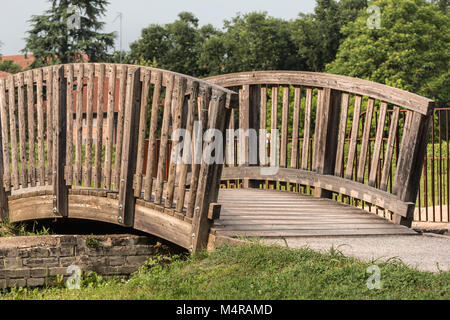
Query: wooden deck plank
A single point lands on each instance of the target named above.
(270, 213)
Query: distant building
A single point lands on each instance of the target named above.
(4, 75)
(24, 61)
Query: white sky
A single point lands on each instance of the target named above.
(138, 14)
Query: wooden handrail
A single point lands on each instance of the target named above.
(322, 107)
(66, 101)
(357, 86)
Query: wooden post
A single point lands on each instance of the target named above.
(60, 188)
(127, 200)
(410, 161)
(210, 173)
(327, 120)
(4, 214)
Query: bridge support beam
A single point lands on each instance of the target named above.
(127, 201)
(60, 188)
(209, 178)
(408, 174)
(326, 137)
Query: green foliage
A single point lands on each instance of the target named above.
(21, 229)
(253, 41)
(318, 35)
(174, 46)
(410, 50)
(91, 242)
(9, 66)
(51, 41)
(256, 271)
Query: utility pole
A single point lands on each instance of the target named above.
(120, 17)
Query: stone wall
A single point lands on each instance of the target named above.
(36, 261)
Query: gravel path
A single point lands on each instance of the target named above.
(423, 252)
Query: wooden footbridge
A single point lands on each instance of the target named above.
(94, 141)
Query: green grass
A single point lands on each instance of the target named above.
(22, 230)
(255, 271)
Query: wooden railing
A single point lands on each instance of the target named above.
(318, 112)
(50, 140)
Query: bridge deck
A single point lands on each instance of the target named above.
(269, 213)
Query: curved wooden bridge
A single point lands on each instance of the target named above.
(74, 146)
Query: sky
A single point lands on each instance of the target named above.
(138, 14)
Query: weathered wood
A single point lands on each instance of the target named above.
(78, 175)
(177, 103)
(13, 133)
(378, 144)
(197, 149)
(69, 135)
(327, 119)
(295, 127)
(187, 150)
(410, 160)
(122, 74)
(164, 139)
(31, 128)
(244, 125)
(49, 114)
(130, 140)
(4, 160)
(389, 149)
(365, 142)
(60, 188)
(324, 80)
(110, 124)
(6, 175)
(40, 132)
(100, 71)
(274, 126)
(327, 182)
(342, 135)
(209, 178)
(89, 122)
(146, 77)
(354, 138)
(307, 130)
(152, 136)
(284, 127)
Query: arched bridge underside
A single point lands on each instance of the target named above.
(94, 141)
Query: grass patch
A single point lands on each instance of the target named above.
(23, 229)
(254, 271)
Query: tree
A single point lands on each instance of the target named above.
(410, 50)
(253, 41)
(318, 35)
(175, 46)
(9, 66)
(53, 40)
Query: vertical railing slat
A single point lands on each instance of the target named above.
(31, 128)
(100, 72)
(378, 143)
(79, 125)
(353, 138)
(6, 178)
(146, 77)
(13, 133)
(164, 139)
(342, 135)
(365, 144)
(177, 103)
(69, 120)
(110, 125)
(89, 121)
(148, 188)
(307, 130)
